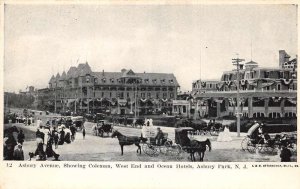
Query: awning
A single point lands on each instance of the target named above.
(122, 102)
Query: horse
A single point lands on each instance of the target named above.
(127, 140)
(199, 147)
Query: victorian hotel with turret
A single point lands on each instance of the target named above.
(83, 91)
(264, 92)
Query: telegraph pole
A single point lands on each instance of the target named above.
(236, 61)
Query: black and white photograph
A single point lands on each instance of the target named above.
(150, 82)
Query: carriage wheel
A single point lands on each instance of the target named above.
(101, 133)
(251, 147)
(214, 132)
(165, 148)
(261, 146)
(150, 150)
(244, 143)
(293, 148)
(175, 151)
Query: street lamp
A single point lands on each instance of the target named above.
(236, 61)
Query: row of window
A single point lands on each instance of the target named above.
(126, 95)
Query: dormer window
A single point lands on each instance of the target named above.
(87, 79)
(96, 80)
(104, 80)
(154, 80)
(171, 81)
(112, 80)
(163, 81)
(146, 80)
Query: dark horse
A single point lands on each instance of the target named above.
(127, 140)
(199, 147)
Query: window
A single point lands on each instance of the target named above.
(143, 95)
(164, 95)
(102, 94)
(267, 74)
(127, 95)
(171, 95)
(171, 81)
(210, 86)
(157, 95)
(149, 95)
(184, 109)
(110, 94)
(278, 87)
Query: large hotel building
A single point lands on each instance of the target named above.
(264, 92)
(82, 90)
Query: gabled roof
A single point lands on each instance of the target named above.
(57, 76)
(251, 63)
(63, 76)
(83, 69)
(52, 79)
(71, 73)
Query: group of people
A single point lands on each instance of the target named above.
(46, 137)
(12, 144)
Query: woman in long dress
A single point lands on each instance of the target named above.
(225, 135)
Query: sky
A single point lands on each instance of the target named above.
(191, 41)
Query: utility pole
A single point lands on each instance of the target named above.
(236, 61)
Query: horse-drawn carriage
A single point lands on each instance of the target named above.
(201, 127)
(191, 145)
(166, 147)
(103, 126)
(271, 138)
(78, 121)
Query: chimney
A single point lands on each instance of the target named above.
(283, 57)
(103, 72)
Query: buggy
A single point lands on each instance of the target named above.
(271, 139)
(103, 126)
(78, 121)
(191, 146)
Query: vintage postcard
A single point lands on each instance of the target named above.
(140, 94)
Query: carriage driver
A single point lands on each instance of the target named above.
(159, 137)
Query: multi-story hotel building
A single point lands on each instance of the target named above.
(82, 90)
(264, 92)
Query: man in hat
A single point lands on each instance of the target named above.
(18, 153)
(285, 154)
(159, 136)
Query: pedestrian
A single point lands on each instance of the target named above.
(55, 137)
(67, 135)
(83, 132)
(21, 137)
(40, 153)
(285, 154)
(61, 137)
(18, 153)
(73, 132)
(49, 150)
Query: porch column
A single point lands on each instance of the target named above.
(218, 109)
(266, 107)
(282, 107)
(226, 105)
(250, 107)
